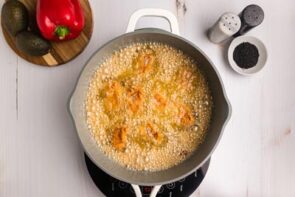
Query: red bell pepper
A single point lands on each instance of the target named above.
(60, 19)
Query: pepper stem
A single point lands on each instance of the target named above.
(61, 32)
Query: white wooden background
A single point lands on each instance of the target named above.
(39, 151)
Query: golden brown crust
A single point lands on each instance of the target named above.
(119, 138)
(135, 99)
(145, 61)
(112, 95)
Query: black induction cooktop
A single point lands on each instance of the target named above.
(112, 187)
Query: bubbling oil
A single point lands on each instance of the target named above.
(148, 106)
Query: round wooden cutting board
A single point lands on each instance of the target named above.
(61, 52)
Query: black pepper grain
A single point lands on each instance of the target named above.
(246, 55)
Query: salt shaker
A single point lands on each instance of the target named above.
(227, 25)
(251, 17)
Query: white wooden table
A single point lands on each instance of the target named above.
(39, 151)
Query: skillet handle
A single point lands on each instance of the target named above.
(169, 16)
(138, 193)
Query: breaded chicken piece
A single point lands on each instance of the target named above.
(135, 99)
(120, 138)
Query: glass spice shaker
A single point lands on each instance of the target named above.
(251, 17)
(227, 25)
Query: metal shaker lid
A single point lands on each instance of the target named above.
(252, 15)
(229, 23)
(226, 26)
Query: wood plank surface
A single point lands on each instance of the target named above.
(40, 154)
(61, 52)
